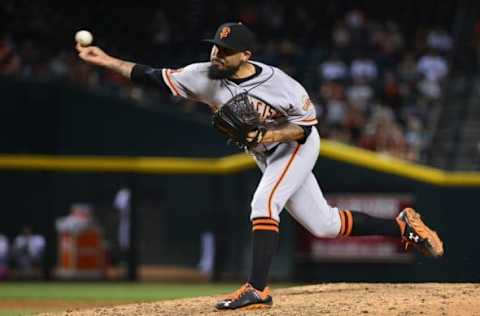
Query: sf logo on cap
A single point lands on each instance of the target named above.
(225, 32)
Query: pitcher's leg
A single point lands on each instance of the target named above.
(407, 225)
(281, 177)
(309, 207)
(283, 173)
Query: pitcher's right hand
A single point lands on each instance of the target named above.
(94, 55)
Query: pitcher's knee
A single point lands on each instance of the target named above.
(258, 205)
(262, 208)
(259, 213)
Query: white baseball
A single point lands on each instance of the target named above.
(83, 37)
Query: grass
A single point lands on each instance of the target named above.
(108, 291)
(17, 313)
(22, 298)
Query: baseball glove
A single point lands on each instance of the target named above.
(237, 119)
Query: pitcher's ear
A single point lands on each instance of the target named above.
(246, 55)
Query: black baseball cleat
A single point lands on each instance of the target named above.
(247, 297)
(415, 232)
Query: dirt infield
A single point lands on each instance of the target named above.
(326, 299)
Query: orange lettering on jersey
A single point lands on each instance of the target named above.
(307, 103)
(271, 112)
(225, 32)
(265, 111)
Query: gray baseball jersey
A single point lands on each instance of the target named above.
(287, 179)
(273, 93)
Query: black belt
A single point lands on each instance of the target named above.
(266, 153)
(271, 150)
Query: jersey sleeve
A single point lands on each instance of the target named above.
(301, 109)
(189, 82)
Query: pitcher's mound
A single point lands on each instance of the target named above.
(328, 299)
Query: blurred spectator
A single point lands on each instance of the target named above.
(355, 19)
(79, 219)
(432, 66)
(59, 66)
(333, 69)
(388, 43)
(434, 69)
(4, 257)
(287, 51)
(359, 60)
(10, 61)
(390, 94)
(333, 95)
(160, 29)
(360, 93)
(336, 112)
(414, 136)
(354, 121)
(356, 22)
(276, 16)
(81, 247)
(439, 39)
(384, 135)
(30, 59)
(27, 251)
(121, 202)
(363, 67)
(407, 69)
(207, 253)
(341, 36)
(430, 89)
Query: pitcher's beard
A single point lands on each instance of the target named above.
(216, 73)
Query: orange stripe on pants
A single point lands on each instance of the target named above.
(342, 223)
(280, 180)
(266, 227)
(349, 223)
(265, 221)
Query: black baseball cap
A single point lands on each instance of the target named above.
(234, 36)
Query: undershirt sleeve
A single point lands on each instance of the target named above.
(148, 76)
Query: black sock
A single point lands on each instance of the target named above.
(364, 224)
(264, 246)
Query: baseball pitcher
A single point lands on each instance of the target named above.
(267, 113)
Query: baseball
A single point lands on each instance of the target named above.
(83, 37)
